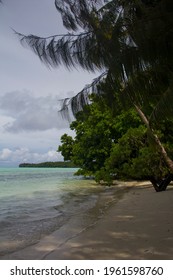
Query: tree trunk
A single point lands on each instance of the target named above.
(160, 185)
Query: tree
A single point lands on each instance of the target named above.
(95, 132)
(66, 147)
(134, 157)
(138, 65)
(109, 146)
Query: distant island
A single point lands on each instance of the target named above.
(48, 164)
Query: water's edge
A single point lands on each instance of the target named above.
(75, 223)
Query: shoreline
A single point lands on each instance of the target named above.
(134, 224)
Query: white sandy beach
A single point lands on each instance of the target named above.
(138, 225)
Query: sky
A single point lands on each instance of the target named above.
(30, 126)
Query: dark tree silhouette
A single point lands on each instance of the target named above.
(131, 41)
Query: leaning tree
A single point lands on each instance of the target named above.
(131, 42)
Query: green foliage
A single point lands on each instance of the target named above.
(133, 157)
(66, 147)
(132, 42)
(94, 134)
(109, 145)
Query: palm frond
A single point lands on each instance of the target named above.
(71, 13)
(77, 13)
(70, 49)
(132, 40)
(76, 103)
(88, 49)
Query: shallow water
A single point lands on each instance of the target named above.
(36, 201)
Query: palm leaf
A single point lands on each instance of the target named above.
(81, 99)
(76, 14)
(70, 50)
(135, 61)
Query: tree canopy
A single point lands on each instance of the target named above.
(131, 42)
(106, 35)
(109, 146)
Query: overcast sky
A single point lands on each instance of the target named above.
(30, 127)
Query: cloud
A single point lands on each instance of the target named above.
(30, 113)
(25, 155)
(5, 154)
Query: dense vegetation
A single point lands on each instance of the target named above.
(49, 164)
(132, 43)
(109, 145)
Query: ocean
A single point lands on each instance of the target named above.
(34, 202)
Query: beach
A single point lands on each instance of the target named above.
(136, 223)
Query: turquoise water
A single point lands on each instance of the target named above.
(37, 201)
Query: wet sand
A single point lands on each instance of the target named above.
(138, 224)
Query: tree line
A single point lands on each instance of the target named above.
(48, 164)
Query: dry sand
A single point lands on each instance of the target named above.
(139, 225)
